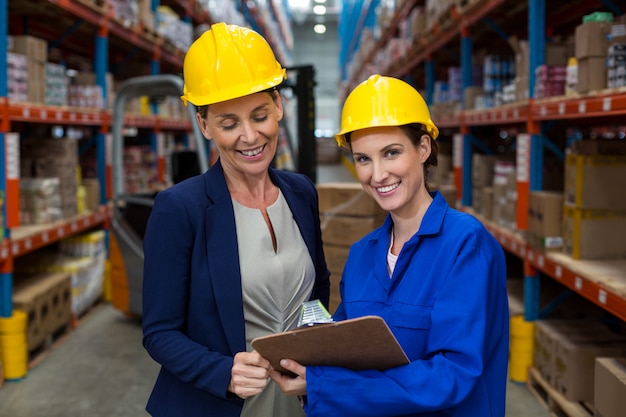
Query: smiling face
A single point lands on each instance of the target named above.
(245, 131)
(390, 167)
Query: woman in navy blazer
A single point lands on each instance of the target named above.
(204, 294)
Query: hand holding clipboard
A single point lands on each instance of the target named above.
(359, 343)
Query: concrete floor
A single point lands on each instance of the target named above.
(100, 369)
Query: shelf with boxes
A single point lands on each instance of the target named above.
(56, 96)
(552, 136)
(61, 84)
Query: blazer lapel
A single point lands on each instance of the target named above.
(222, 252)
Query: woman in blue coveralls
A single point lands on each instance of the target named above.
(434, 274)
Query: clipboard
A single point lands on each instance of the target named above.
(360, 343)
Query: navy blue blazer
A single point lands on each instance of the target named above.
(193, 320)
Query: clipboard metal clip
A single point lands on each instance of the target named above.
(312, 313)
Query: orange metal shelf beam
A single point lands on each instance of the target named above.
(517, 113)
(609, 104)
(39, 113)
(96, 16)
(400, 14)
(555, 108)
(598, 293)
(26, 239)
(427, 48)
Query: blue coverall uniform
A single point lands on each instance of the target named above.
(447, 305)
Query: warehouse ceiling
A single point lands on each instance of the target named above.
(314, 11)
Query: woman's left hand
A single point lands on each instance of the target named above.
(290, 385)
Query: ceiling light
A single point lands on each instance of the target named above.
(299, 4)
(319, 9)
(319, 28)
(320, 1)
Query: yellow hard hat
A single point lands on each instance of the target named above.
(383, 101)
(227, 62)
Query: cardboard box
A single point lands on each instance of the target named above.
(610, 147)
(46, 298)
(345, 230)
(34, 48)
(556, 54)
(595, 182)
(486, 205)
(346, 198)
(336, 256)
(440, 175)
(554, 342)
(545, 219)
(470, 94)
(449, 193)
(575, 364)
(610, 386)
(591, 39)
(592, 74)
(92, 193)
(483, 169)
(594, 234)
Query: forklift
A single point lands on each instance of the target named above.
(130, 211)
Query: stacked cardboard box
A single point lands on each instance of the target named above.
(616, 65)
(610, 386)
(46, 299)
(55, 158)
(550, 81)
(17, 77)
(545, 219)
(36, 52)
(482, 184)
(57, 83)
(591, 49)
(565, 352)
(595, 203)
(347, 214)
(505, 194)
(40, 201)
(442, 174)
(556, 55)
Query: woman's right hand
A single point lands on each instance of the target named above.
(249, 375)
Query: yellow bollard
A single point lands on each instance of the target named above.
(13, 347)
(521, 348)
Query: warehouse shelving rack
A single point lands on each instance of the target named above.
(82, 17)
(602, 282)
(113, 44)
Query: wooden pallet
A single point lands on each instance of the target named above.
(556, 404)
(40, 352)
(56, 338)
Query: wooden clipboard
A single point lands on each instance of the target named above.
(360, 343)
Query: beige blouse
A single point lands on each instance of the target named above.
(275, 284)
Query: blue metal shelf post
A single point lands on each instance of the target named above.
(467, 46)
(6, 278)
(101, 69)
(537, 35)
